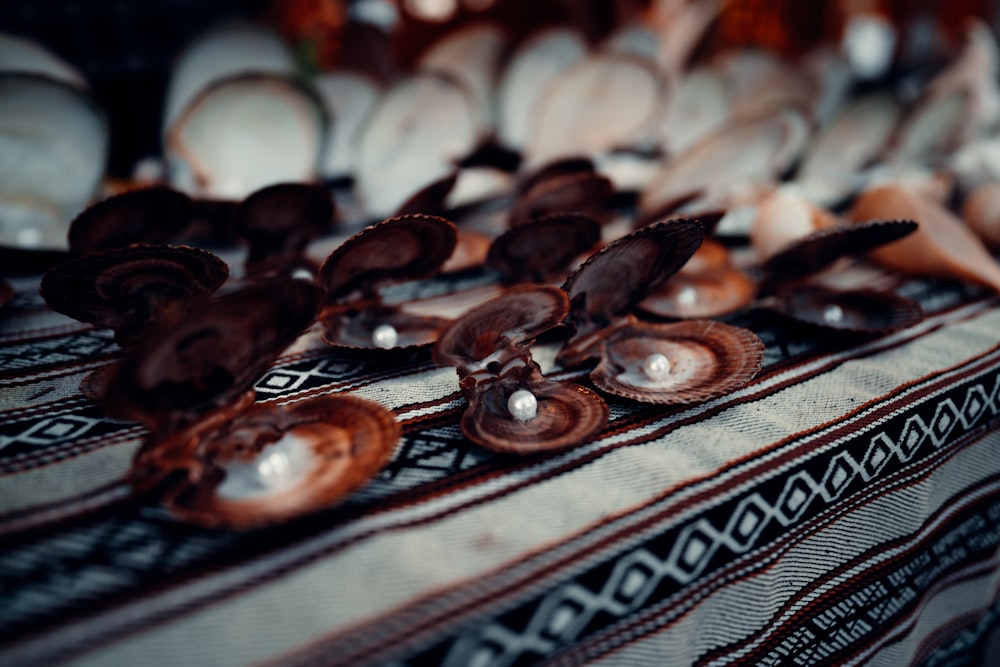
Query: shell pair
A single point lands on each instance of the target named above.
(679, 363)
(213, 456)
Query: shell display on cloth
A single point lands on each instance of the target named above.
(512, 407)
(215, 459)
(354, 316)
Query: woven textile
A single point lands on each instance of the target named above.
(843, 508)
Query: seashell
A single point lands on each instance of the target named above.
(430, 199)
(279, 221)
(822, 248)
(419, 129)
(830, 169)
(585, 193)
(603, 102)
(246, 132)
(147, 215)
(941, 247)
(859, 311)
(783, 217)
(228, 50)
(612, 282)
(542, 249)
(564, 415)
(349, 99)
(981, 210)
(696, 107)
(744, 155)
(634, 39)
(470, 251)
(512, 407)
(55, 147)
(500, 329)
(28, 56)
(211, 360)
(268, 463)
(471, 55)
(681, 363)
(404, 248)
(533, 65)
(710, 293)
(135, 289)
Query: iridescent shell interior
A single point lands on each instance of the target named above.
(685, 362)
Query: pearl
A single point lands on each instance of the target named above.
(687, 296)
(656, 367)
(385, 336)
(522, 405)
(302, 274)
(273, 467)
(833, 314)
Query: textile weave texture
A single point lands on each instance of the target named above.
(843, 508)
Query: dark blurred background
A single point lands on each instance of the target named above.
(125, 48)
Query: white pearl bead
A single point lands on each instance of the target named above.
(522, 405)
(656, 367)
(273, 468)
(385, 336)
(687, 296)
(833, 314)
(302, 274)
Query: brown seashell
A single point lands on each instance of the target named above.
(147, 215)
(859, 311)
(542, 249)
(269, 463)
(822, 248)
(567, 414)
(710, 293)
(705, 359)
(613, 281)
(211, 359)
(279, 221)
(586, 193)
(429, 200)
(470, 251)
(404, 248)
(565, 166)
(498, 330)
(133, 289)
(941, 247)
(981, 210)
(489, 347)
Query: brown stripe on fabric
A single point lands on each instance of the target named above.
(313, 557)
(424, 619)
(829, 600)
(655, 618)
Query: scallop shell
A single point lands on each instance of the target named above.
(541, 250)
(568, 414)
(710, 293)
(132, 289)
(279, 221)
(565, 166)
(822, 248)
(860, 311)
(147, 215)
(784, 217)
(354, 331)
(404, 248)
(212, 358)
(613, 281)
(494, 332)
(586, 193)
(707, 359)
(272, 463)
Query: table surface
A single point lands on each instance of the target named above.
(842, 508)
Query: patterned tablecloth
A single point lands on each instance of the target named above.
(843, 508)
